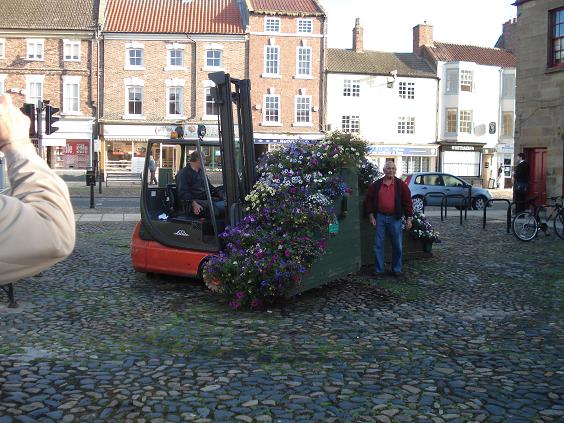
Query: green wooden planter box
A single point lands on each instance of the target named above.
(412, 248)
(342, 256)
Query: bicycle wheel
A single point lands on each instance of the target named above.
(558, 224)
(525, 226)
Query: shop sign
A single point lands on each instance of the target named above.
(505, 148)
(462, 148)
(390, 150)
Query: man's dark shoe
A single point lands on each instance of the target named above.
(377, 275)
(396, 274)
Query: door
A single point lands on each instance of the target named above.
(537, 162)
(457, 187)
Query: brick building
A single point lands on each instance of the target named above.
(157, 56)
(286, 62)
(49, 53)
(540, 93)
(476, 110)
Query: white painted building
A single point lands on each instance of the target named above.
(476, 111)
(389, 99)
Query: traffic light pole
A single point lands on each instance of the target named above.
(39, 128)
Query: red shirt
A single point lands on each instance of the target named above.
(386, 198)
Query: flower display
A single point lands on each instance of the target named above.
(287, 220)
(422, 229)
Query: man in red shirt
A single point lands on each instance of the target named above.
(387, 201)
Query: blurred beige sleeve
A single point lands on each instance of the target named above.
(37, 227)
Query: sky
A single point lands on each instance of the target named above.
(388, 24)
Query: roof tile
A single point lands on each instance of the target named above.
(377, 63)
(77, 15)
(174, 16)
(446, 52)
(281, 7)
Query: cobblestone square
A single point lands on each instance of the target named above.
(473, 334)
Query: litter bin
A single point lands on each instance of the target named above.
(165, 177)
(90, 177)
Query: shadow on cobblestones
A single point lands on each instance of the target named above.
(474, 334)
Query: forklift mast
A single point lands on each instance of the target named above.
(237, 183)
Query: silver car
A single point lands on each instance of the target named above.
(457, 190)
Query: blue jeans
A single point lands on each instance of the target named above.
(219, 208)
(392, 227)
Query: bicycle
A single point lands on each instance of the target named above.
(526, 224)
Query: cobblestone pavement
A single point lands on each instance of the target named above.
(473, 334)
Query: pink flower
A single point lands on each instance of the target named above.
(239, 295)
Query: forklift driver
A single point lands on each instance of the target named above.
(192, 189)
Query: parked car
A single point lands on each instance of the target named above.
(421, 184)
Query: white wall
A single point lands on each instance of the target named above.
(379, 108)
(484, 101)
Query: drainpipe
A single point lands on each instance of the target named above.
(323, 88)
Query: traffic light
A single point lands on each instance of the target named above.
(28, 109)
(50, 119)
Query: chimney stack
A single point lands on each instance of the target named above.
(508, 39)
(358, 33)
(422, 36)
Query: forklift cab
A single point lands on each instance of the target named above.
(170, 238)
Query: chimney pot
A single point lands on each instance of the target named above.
(358, 33)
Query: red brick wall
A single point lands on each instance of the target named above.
(287, 86)
(16, 67)
(155, 76)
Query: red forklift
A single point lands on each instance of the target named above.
(171, 240)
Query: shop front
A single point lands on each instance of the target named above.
(408, 158)
(464, 160)
(124, 147)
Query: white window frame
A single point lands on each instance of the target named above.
(211, 101)
(454, 111)
(35, 49)
(2, 82)
(267, 74)
(410, 164)
(451, 81)
(179, 102)
(299, 106)
(351, 88)
(406, 125)
(466, 80)
(71, 48)
(169, 49)
(38, 82)
(208, 85)
(350, 124)
(304, 26)
(504, 128)
(300, 50)
(71, 82)
(213, 52)
(406, 90)
(271, 24)
(465, 126)
(461, 163)
(129, 47)
(507, 89)
(213, 47)
(266, 101)
(2, 48)
(129, 84)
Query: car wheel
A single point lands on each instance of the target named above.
(418, 203)
(479, 203)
